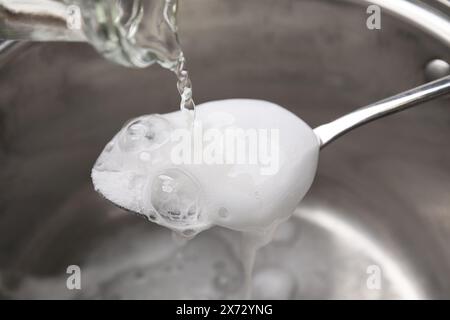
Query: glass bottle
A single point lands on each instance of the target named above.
(134, 33)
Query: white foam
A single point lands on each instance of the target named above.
(137, 171)
(235, 196)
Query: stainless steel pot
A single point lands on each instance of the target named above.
(376, 223)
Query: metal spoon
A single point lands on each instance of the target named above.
(332, 130)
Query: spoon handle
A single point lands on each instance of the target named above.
(332, 130)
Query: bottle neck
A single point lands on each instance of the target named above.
(134, 33)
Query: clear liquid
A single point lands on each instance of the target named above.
(184, 86)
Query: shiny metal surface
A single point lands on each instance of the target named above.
(330, 131)
(436, 69)
(425, 15)
(381, 197)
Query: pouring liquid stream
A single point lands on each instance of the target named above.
(184, 86)
(250, 242)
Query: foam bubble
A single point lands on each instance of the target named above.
(148, 132)
(176, 198)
